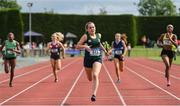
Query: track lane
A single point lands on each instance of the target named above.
(157, 78)
(137, 91)
(53, 93)
(27, 70)
(18, 72)
(21, 85)
(138, 87)
(106, 95)
(159, 66)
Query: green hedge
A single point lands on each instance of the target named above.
(153, 27)
(134, 26)
(11, 21)
(106, 25)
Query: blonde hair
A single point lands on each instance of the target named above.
(118, 34)
(54, 35)
(58, 35)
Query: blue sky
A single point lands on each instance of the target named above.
(84, 6)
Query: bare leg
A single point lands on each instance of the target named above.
(89, 73)
(12, 65)
(167, 64)
(121, 66)
(95, 72)
(54, 67)
(6, 66)
(116, 63)
(59, 64)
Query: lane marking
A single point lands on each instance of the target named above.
(26, 73)
(153, 83)
(17, 94)
(118, 92)
(155, 70)
(75, 82)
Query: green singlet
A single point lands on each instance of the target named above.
(10, 45)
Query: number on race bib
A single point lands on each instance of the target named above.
(167, 42)
(54, 50)
(95, 52)
(118, 52)
(10, 52)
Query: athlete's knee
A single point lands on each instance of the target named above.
(95, 75)
(116, 68)
(12, 73)
(121, 69)
(5, 67)
(89, 79)
(168, 66)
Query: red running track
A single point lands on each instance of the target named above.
(143, 83)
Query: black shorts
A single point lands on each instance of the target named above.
(9, 58)
(55, 57)
(118, 57)
(169, 53)
(88, 61)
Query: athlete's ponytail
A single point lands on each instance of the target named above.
(60, 36)
(124, 38)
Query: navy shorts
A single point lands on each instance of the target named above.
(88, 61)
(118, 57)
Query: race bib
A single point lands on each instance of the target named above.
(166, 42)
(117, 52)
(10, 52)
(95, 52)
(54, 50)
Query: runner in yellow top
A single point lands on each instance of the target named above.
(166, 41)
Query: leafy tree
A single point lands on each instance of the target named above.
(156, 8)
(4, 4)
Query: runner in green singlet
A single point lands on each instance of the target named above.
(11, 49)
(90, 41)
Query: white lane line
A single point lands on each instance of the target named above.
(174, 96)
(155, 70)
(29, 72)
(75, 82)
(118, 92)
(17, 94)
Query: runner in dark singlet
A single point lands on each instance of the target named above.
(90, 41)
(54, 47)
(119, 48)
